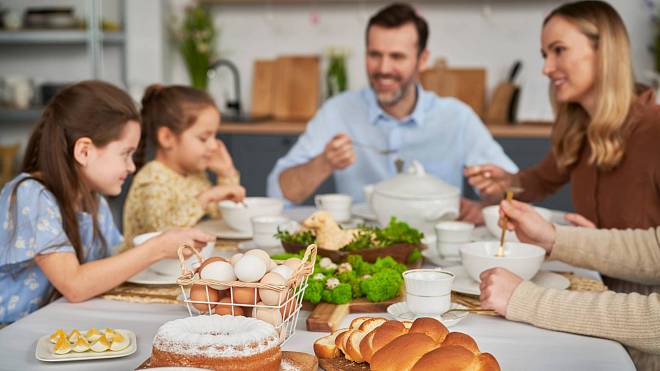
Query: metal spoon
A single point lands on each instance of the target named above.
(500, 250)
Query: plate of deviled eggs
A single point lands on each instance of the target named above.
(80, 345)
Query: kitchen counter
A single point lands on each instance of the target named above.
(521, 130)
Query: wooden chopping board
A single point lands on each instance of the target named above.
(342, 364)
(263, 76)
(297, 87)
(328, 317)
(290, 360)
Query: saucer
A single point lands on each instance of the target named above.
(149, 277)
(363, 210)
(251, 245)
(401, 312)
(441, 261)
(466, 285)
(220, 229)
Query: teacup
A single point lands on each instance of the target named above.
(428, 291)
(450, 231)
(265, 227)
(337, 204)
(428, 304)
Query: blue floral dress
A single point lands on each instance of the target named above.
(35, 227)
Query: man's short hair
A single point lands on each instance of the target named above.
(398, 14)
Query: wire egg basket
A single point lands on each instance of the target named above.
(243, 298)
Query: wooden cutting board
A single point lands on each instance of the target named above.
(328, 317)
(465, 84)
(297, 87)
(263, 76)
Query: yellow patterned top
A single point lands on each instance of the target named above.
(161, 198)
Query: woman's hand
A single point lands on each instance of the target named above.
(579, 221)
(530, 227)
(497, 286)
(167, 243)
(490, 180)
(221, 163)
(232, 192)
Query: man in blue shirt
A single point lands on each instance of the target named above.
(357, 136)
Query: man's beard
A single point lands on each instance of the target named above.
(398, 95)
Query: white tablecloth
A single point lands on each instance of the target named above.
(516, 346)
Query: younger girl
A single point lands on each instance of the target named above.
(181, 124)
(55, 227)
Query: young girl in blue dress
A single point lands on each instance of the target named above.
(56, 229)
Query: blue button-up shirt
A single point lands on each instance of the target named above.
(442, 133)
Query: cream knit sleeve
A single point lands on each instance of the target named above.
(631, 255)
(631, 319)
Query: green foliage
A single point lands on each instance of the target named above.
(414, 256)
(360, 267)
(398, 232)
(314, 290)
(341, 294)
(305, 238)
(389, 263)
(383, 285)
(364, 239)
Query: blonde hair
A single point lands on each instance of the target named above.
(614, 89)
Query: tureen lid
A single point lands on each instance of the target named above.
(416, 183)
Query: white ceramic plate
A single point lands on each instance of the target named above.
(44, 351)
(401, 312)
(219, 228)
(466, 285)
(250, 245)
(149, 277)
(363, 210)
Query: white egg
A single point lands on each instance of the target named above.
(235, 258)
(284, 271)
(218, 271)
(272, 297)
(293, 263)
(260, 253)
(272, 265)
(250, 268)
(270, 315)
(120, 341)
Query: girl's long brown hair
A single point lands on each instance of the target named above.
(614, 87)
(174, 107)
(93, 109)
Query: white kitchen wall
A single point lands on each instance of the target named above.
(490, 34)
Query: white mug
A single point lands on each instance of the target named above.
(337, 204)
(265, 227)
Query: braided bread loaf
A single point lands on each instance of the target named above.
(424, 344)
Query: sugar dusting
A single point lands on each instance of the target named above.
(216, 336)
(288, 366)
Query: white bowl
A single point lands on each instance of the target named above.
(520, 258)
(492, 216)
(428, 282)
(171, 267)
(237, 216)
(450, 231)
(428, 304)
(449, 249)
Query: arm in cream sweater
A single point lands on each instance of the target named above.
(632, 319)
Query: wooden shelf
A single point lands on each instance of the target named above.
(55, 37)
(521, 130)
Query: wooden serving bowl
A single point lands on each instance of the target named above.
(399, 252)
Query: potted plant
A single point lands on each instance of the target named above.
(195, 39)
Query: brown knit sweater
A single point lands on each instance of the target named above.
(627, 196)
(632, 319)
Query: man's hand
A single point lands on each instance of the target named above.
(471, 212)
(497, 287)
(339, 153)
